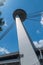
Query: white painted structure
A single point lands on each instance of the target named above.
(25, 47)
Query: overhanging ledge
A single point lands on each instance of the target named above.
(10, 58)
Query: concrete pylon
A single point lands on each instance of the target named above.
(25, 45)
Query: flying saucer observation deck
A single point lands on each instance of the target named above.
(20, 13)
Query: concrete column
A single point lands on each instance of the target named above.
(25, 47)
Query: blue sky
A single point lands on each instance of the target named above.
(34, 27)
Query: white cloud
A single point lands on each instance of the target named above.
(2, 2)
(38, 44)
(35, 43)
(5, 24)
(41, 19)
(41, 42)
(4, 51)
